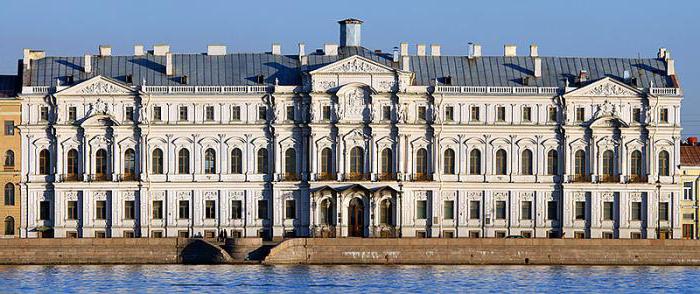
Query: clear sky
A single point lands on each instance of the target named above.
(614, 28)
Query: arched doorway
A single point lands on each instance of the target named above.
(356, 218)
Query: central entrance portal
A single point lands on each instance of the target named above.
(357, 218)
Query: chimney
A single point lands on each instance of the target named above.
(405, 63)
(670, 67)
(420, 48)
(30, 55)
(216, 50)
(510, 50)
(169, 68)
(533, 50)
(302, 58)
(395, 54)
(138, 50)
(330, 49)
(435, 50)
(477, 50)
(662, 53)
(105, 50)
(667, 55)
(87, 63)
(404, 49)
(350, 32)
(161, 49)
(538, 67)
(276, 49)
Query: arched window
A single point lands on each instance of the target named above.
(326, 162)
(553, 162)
(326, 216)
(387, 162)
(636, 164)
(9, 226)
(501, 162)
(580, 163)
(210, 161)
(608, 164)
(664, 163)
(129, 164)
(357, 160)
(236, 161)
(386, 212)
(9, 158)
(262, 161)
(449, 162)
(72, 164)
(422, 162)
(157, 161)
(183, 161)
(101, 164)
(44, 162)
(290, 161)
(9, 194)
(526, 162)
(475, 162)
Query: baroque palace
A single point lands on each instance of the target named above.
(347, 141)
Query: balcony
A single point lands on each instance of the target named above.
(325, 176)
(387, 176)
(421, 177)
(290, 177)
(609, 178)
(580, 178)
(638, 179)
(357, 176)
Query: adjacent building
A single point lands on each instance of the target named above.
(347, 141)
(690, 178)
(10, 111)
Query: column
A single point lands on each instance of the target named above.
(313, 157)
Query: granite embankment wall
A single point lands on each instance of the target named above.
(486, 251)
(125, 251)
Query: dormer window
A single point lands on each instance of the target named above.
(184, 80)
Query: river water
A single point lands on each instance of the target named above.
(354, 279)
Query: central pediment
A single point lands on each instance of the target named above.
(98, 85)
(354, 64)
(358, 69)
(605, 87)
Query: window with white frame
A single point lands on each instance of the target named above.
(688, 191)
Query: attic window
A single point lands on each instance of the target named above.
(526, 81)
(129, 79)
(260, 79)
(69, 79)
(183, 80)
(448, 80)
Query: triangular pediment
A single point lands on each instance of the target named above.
(98, 85)
(354, 64)
(605, 87)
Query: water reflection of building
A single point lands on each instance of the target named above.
(346, 141)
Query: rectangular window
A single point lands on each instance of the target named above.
(663, 115)
(209, 113)
(209, 209)
(552, 210)
(72, 212)
(326, 112)
(183, 209)
(262, 209)
(290, 113)
(474, 114)
(100, 234)
(157, 209)
(474, 209)
(500, 210)
(100, 209)
(526, 210)
(44, 210)
(663, 211)
(236, 113)
(421, 113)
(607, 235)
(421, 209)
(501, 113)
(72, 114)
(552, 114)
(44, 114)
(157, 113)
(636, 211)
(608, 209)
(637, 115)
(9, 127)
(156, 234)
(129, 209)
(688, 193)
(183, 113)
(290, 209)
(449, 113)
(527, 114)
(580, 114)
(262, 113)
(236, 209)
(449, 209)
(129, 113)
(580, 210)
(386, 113)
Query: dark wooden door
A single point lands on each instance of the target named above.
(356, 213)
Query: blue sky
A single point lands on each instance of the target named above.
(560, 28)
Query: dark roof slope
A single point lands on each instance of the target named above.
(690, 155)
(9, 85)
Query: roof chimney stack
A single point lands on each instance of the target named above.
(216, 50)
(87, 63)
(435, 50)
(138, 50)
(161, 49)
(330, 49)
(30, 55)
(276, 49)
(105, 50)
(302, 55)
(670, 67)
(350, 32)
(169, 68)
(533, 51)
(510, 50)
(538, 67)
(404, 49)
(662, 53)
(395, 54)
(420, 49)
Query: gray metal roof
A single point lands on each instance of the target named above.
(243, 68)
